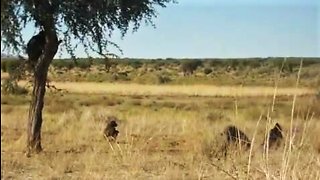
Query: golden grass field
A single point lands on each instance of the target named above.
(177, 90)
(166, 132)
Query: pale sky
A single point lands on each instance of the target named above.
(225, 29)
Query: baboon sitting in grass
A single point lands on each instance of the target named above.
(235, 137)
(110, 131)
(275, 136)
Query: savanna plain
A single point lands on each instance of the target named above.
(171, 117)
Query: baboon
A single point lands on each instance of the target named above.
(236, 136)
(275, 136)
(35, 46)
(110, 131)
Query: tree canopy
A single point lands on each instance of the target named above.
(90, 22)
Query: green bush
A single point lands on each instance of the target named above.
(83, 64)
(59, 64)
(12, 87)
(135, 64)
(189, 66)
(207, 71)
(4, 66)
(213, 63)
(120, 76)
(158, 64)
(162, 79)
(10, 66)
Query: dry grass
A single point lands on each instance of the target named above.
(177, 90)
(4, 75)
(173, 134)
(161, 142)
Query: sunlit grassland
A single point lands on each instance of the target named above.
(161, 137)
(167, 131)
(176, 90)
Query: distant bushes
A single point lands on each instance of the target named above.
(207, 71)
(59, 64)
(69, 64)
(108, 64)
(135, 64)
(12, 87)
(189, 66)
(186, 65)
(163, 79)
(164, 71)
(84, 64)
(10, 66)
(289, 65)
(120, 76)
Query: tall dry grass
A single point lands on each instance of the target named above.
(163, 141)
(177, 90)
(162, 144)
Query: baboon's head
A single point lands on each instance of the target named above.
(113, 123)
(231, 130)
(277, 126)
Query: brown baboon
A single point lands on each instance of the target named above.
(35, 46)
(236, 137)
(110, 131)
(275, 136)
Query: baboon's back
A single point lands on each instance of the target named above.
(234, 135)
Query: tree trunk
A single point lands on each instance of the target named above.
(46, 20)
(35, 111)
(39, 89)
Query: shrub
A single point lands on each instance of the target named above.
(3, 66)
(162, 79)
(59, 64)
(135, 64)
(122, 76)
(12, 87)
(84, 64)
(188, 67)
(207, 71)
(217, 63)
(157, 65)
(108, 64)
(10, 65)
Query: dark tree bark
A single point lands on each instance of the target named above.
(35, 113)
(40, 79)
(37, 101)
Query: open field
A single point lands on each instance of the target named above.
(161, 137)
(177, 90)
(160, 90)
(168, 130)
